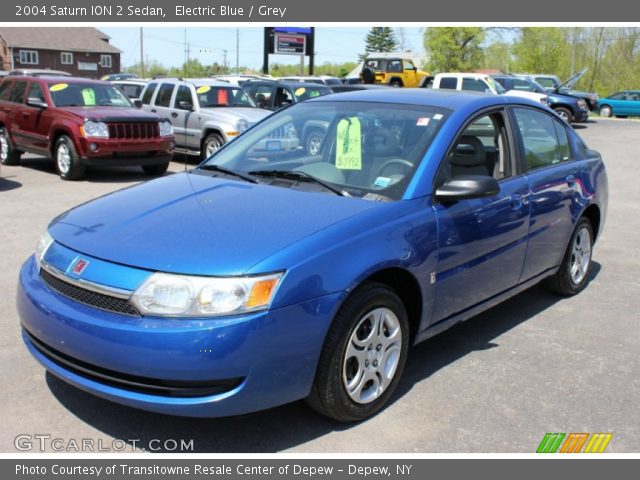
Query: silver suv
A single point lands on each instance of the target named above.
(205, 113)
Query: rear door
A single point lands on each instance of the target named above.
(554, 183)
(481, 242)
(162, 101)
(34, 122)
(180, 117)
(16, 99)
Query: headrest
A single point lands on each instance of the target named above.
(469, 152)
(381, 143)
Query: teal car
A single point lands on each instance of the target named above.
(620, 104)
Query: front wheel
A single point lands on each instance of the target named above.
(313, 142)
(68, 162)
(363, 356)
(8, 154)
(565, 114)
(574, 271)
(605, 111)
(211, 145)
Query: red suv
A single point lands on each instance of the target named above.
(79, 123)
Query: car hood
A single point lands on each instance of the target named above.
(570, 83)
(198, 224)
(110, 114)
(233, 114)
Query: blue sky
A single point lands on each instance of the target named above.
(166, 45)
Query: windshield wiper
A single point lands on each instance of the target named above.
(300, 176)
(228, 171)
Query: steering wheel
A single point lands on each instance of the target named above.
(394, 161)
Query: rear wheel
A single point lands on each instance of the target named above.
(574, 271)
(8, 154)
(564, 113)
(158, 169)
(395, 83)
(68, 162)
(605, 111)
(363, 356)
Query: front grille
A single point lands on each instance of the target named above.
(88, 297)
(133, 130)
(134, 383)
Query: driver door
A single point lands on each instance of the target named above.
(481, 242)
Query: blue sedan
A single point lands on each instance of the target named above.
(621, 104)
(267, 275)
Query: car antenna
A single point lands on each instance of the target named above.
(186, 114)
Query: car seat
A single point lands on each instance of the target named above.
(469, 158)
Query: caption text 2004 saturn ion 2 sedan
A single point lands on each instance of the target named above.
(268, 275)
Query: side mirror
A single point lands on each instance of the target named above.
(36, 102)
(185, 105)
(137, 103)
(465, 187)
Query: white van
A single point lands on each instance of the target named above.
(479, 82)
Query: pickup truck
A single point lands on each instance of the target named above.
(78, 123)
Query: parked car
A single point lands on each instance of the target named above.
(352, 87)
(479, 82)
(205, 113)
(275, 94)
(319, 79)
(237, 80)
(248, 282)
(131, 88)
(118, 76)
(393, 70)
(620, 104)
(78, 123)
(553, 84)
(571, 109)
(37, 72)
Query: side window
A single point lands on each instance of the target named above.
(262, 96)
(394, 66)
(407, 65)
(35, 92)
(17, 94)
(450, 83)
(481, 149)
(523, 85)
(183, 95)
(618, 96)
(148, 93)
(4, 90)
(283, 97)
(543, 146)
(163, 99)
(474, 85)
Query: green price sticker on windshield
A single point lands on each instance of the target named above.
(349, 144)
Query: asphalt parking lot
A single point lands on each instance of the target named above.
(535, 364)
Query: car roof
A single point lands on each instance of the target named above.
(290, 83)
(449, 99)
(59, 79)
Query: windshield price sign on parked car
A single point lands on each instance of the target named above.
(290, 44)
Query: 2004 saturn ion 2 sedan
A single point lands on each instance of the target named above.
(267, 275)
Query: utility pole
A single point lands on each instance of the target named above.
(237, 50)
(141, 54)
(224, 63)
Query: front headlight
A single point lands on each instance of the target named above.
(44, 242)
(171, 295)
(95, 129)
(582, 103)
(166, 129)
(242, 125)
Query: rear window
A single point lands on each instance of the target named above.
(17, 93)
(148, 93)
(5, 87)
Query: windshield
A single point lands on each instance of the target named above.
(87, 95)
(499, 88)
(209, 96)
(367, 150)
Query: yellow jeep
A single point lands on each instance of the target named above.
(394, 71)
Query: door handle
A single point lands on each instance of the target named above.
(516, 201)
(174, 114)
(153, 110)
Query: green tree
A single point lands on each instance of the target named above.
(380, 39)
(151, 69)
(543, 50)
(454, 48)
(497, 55)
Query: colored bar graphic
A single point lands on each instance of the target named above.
(574, 443)
(550, 443)
(598, 442)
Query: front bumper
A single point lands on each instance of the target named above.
(121, 153)
(581, 116)
(249, 362)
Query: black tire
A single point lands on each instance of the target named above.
(565, 113)
(395, 83)
(156, 170)
(368, 75)
(211, 139)
(10, 156)
(563, 282)
(329, 395)
(313, 141)
(75, 169)
(605, 111)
